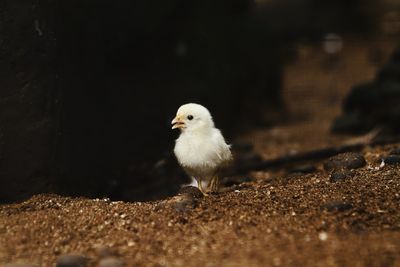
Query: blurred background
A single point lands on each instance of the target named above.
(88, 88)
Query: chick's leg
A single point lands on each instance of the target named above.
(201, 187)
(211, 184)
(214, 184)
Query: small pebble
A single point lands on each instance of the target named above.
(340, 175)
(347, 161)
(72, 261)
(382, 164)
(336, 206)
(192, 191)
(111, 262)
(183, 203)
(392, 159)
(323, 236)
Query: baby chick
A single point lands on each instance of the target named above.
(200, 149)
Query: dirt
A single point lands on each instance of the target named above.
(274, 218)
(279, 221)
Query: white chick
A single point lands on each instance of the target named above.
(200, 149)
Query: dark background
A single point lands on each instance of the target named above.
(88, 88)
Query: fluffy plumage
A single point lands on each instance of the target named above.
(200, 149)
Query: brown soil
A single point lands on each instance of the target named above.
(278, 219)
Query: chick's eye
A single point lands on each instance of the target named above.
(190, 117)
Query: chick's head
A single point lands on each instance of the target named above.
(192, 117)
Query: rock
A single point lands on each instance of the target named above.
(111, 262)
(347, 161)
(392, 159)
(192, 191)
(183, 203)
(336, 206)
(308, 168)
(337, 176)
(72, 260)
(340, 175)
(395, 151)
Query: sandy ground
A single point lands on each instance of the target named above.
(277, 218)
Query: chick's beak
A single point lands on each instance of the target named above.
(177, 122)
